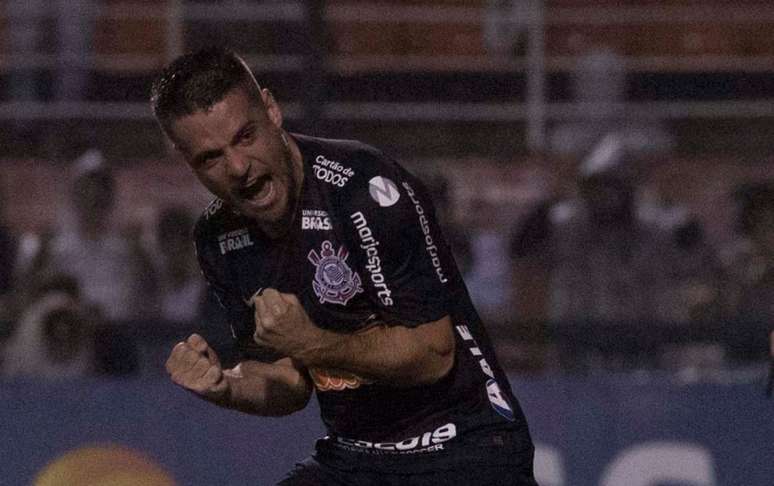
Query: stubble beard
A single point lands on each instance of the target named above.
(277, 229)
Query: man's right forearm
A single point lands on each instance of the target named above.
(266, 389)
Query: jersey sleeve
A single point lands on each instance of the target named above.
(403, 259)
(236, 310)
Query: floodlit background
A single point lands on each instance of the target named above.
(603, 171)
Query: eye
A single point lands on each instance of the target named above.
(211, 162)
(248, 136)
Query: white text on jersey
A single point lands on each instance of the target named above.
(331, 171)
(374, 262)
(234, 240)
(432, 250)
(315, 219)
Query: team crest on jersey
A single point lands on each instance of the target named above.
(334, 280)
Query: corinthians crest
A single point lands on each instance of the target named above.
(334, 281)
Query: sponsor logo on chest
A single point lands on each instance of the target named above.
(315, 219)
(234, 240)
(383, 191)
(370, 244)
(427, 442)
(331, 171)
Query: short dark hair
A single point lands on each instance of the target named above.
(197, 81)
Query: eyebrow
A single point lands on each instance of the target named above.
(202, 157)
(240, 133)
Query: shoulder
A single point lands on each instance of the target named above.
(216, 220)
(342, 149)
(357, 174)
(351, 159)
(209, 220)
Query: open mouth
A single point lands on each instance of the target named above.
(260, 191)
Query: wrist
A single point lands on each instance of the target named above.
(224, 394)
(318, 350)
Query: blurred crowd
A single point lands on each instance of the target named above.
(603, 277)
(594, 280)
(87, 297)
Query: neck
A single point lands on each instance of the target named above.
(297, 162)
(278, 230)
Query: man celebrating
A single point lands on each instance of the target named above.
(328, 260)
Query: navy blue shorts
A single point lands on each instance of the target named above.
(313, 473)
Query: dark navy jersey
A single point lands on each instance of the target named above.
(365, 249)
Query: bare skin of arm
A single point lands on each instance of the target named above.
(267, 389)
(396, 355)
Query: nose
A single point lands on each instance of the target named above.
(238, 165)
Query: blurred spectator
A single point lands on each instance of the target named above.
(603, 265)
(750, 270)
(29, 35)
(488, 276)
(111, 266)
(598, 85)
(506, 24)
(74, 28)
(7, 262)
(25, 32)
(50, 341)
(598, 82)
(181, 286)
(58, 337)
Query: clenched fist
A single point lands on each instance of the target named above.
(282, 324)
(194, 365)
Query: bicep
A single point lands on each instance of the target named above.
(432, 344)
(436, 336)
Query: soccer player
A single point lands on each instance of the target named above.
(327, 257)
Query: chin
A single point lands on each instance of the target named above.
(269, 216)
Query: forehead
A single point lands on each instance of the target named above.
(215, 127)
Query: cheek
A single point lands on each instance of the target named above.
(212, 181)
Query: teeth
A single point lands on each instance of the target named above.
(256, 187)
(264, 191)
(259, 192)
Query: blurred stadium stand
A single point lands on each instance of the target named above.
(469, 88)
(429, 77)
(473, 90)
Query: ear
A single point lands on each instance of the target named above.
(273, 110)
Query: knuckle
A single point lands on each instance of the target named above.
(268, 322)
(197, 342)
